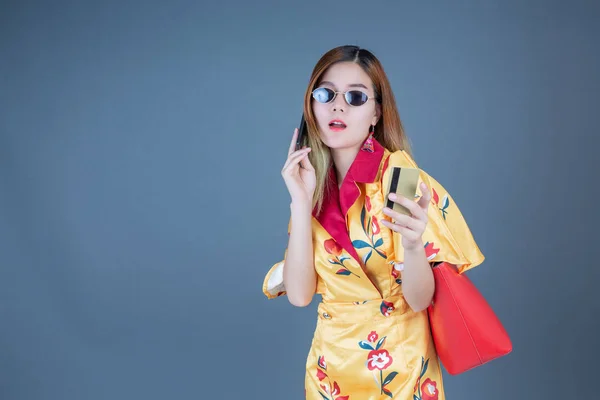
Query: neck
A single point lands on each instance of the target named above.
(343, 159)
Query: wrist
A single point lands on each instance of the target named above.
(416, 247)
(300, 207)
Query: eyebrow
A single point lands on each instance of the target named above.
(360, 85)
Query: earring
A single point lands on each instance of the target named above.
(368, 145)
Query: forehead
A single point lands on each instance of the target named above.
(345, 74)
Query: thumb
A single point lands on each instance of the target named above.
(425, 198)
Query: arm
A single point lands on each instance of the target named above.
(299, 275)
(418, 284)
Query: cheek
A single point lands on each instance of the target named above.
(367, 114)
(320, 115)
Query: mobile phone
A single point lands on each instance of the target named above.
(403, 181)
(301, 133)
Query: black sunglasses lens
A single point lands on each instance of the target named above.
(356, 98)
(323, 95)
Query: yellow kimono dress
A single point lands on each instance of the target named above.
(368, 343)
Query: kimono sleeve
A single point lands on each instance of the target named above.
(273, 286)
(447, 236)
(273, 283)
(448, 226)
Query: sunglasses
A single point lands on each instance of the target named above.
(354, 98)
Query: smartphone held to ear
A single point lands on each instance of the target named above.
(301, 133)
(403, 181)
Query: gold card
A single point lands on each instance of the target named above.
(403, 181)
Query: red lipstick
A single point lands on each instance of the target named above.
(337, 125)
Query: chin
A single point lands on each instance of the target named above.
(340, 142)
(334, 140)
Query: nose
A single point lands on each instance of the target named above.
(339, 103)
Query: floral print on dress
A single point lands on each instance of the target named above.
(333, 248)
(428, 389)
(386, 308)
(332, 392)
(445, 202)
(379, 359)
(431, 251)
(372, 230)
(396, 275)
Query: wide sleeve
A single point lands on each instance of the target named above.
(448, 226)
(447, 236)
(273, 283)
(273, 286)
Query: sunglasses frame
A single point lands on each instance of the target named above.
(344, 93)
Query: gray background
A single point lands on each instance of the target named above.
(141, 201)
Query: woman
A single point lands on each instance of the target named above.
(371, 265)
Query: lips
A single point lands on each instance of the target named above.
(337, 125)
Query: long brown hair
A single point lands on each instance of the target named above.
(388, 131)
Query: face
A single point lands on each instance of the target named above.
(341, 125)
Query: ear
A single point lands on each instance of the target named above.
(377, 114)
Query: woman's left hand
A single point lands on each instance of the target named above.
(411, 227)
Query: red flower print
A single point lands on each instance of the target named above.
(332, 247)
(379, 359)
(330, 393)
(322, 363)
(429, 390)
(336, 389)
(430, 250)
(373, 336)
(368, 203)
(333, 392)
(386, 308)
(396, 273)
(336, 392)
(375, 226)
(435, 198)
(321, 375)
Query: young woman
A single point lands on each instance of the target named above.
(371, 265)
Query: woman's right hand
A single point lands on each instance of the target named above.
(299, 174)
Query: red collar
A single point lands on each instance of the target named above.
(337, 202)
(365, 166)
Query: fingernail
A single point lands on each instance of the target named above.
(392, 196)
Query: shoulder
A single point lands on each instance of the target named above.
(399, 158)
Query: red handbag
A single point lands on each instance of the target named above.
(466, 331)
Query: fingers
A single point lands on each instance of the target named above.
(305, 163)
(295, 158)
(407, 233)
(293, 144)
(415, 208)
(403, 221)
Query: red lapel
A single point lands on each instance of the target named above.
(337, 202)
